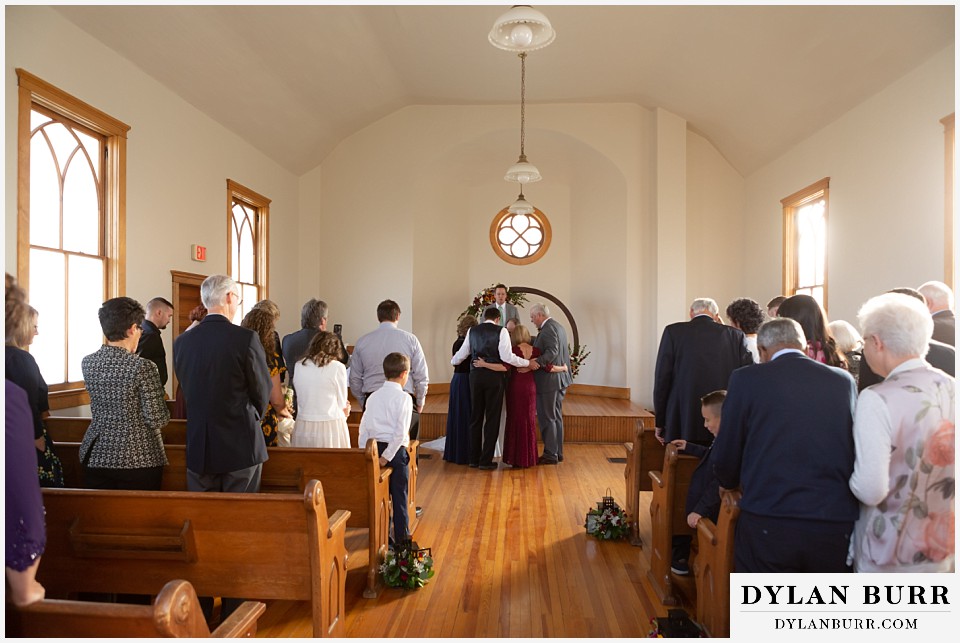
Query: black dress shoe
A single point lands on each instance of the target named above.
(488, 467)
(472, 465)
(545, 460)
(560, 458)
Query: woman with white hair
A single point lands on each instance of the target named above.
(904, 437)
(849, 343)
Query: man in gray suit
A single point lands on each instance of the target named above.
(507, 310)
(551, 387)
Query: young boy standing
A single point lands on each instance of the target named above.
(386, 419)
(703, 497)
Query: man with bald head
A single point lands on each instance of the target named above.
(939, 298)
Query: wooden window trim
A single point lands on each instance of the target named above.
(33, 90)
(262, 204)
(521, 261)
(791, 204)
(949, 151)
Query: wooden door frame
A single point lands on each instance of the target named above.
(179, 278)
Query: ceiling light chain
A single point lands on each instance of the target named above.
(523, 103)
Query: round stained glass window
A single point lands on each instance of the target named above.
(520, 238)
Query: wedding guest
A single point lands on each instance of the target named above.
(850, 343)
(123, 448)
(272, 308)
(745, 314)
(456, 448)
(820, 343)
(386, 419)
(22, 370)
(261, 321)
(179, 412)
(552, 383)
(903, 430)
(321, 380)
(773, 305)
(313, 319)
(26, 535)
(939, 298)
(159, 312)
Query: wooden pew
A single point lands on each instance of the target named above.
(644, 454)
(72, 429)
(713, 566)
(668, 518)
(175, 613)
(262, 546)
(352, 480)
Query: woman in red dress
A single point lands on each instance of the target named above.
(520, 438)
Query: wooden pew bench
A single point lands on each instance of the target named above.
(713, 566)
(352, 480)
(175, 613)
(668, 518)
(72, 429)
(644, 454)
(243, 545)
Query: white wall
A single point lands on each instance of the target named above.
(408, 201)
(885, 163)
(178, 162)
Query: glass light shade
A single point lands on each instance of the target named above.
(522, 28)
(520, 206)
(523, 172)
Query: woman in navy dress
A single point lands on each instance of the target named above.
(457, 446)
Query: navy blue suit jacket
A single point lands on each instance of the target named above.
(224, 376)
(703, 496)
(786, 437)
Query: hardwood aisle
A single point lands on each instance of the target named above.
(511, 559)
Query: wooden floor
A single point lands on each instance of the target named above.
(511, 559)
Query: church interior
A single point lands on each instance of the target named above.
(668, 138)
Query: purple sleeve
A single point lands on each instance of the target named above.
(26, 530)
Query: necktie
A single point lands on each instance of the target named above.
(502, 320)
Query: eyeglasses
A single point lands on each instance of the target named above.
(237, 295)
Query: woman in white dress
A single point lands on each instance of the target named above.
(320, 381)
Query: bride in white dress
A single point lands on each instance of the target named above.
(320, 381)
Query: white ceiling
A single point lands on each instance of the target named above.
(296, 80)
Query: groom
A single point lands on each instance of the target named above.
(551, 387)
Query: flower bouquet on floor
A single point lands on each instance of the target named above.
(407, 566)
(608, 521)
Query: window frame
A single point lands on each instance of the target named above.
(791, 205)
(540, 217)
(33, 90)
(261, 271)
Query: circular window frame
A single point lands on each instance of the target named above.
(521, 261)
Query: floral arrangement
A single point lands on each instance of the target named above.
(607, 523)
(578, 354)
(485, 298)
(408, 567)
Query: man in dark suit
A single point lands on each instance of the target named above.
(313, 319)
(551, 386)
(939, 299)
(787, 439)
(695, 358)
(150, 346)
(223, 372)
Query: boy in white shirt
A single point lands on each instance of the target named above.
(386, 419)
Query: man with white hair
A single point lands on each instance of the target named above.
(940, 304)
(695, 358)
(551, 386)
(223, 372)
(787, 440)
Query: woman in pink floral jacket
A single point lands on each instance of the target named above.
(904, 436)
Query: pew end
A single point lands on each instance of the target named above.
(174, 613)
(713, 566)
(643, 454)
(668, 518)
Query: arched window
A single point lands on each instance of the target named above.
(247, 236)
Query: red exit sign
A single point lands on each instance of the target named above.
(199, 252)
